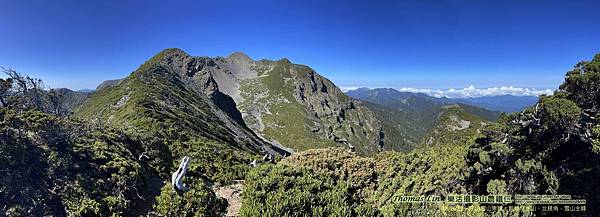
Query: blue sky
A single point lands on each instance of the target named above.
(416, 44)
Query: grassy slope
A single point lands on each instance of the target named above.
(158, 99)
(290, 118)
(288, 121)
(447, 129)
(403, 130)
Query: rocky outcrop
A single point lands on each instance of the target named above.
(336, 117)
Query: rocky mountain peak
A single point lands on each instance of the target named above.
(174, 57)
(239, 56)
(285, 60)
(169, 52)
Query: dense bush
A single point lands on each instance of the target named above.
(49, 162)
(333, 182)
(199, 201)
(582, 84)
(294, 191)
(596, 146)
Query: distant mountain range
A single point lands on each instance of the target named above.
(503, 103)
(413, 119)
(409, 100)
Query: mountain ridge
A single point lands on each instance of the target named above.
(503, 103)
(410, 120)
(307, 105)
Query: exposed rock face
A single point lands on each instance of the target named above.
(459, 124)
(284, 103)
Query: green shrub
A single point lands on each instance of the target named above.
(596, 142)
(60, 166)
(284, 190)
(334, 182)
(199, 201)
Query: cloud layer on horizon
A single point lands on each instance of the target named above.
(472, 91)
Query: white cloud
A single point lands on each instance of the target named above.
(472, 91)
(346, 89)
